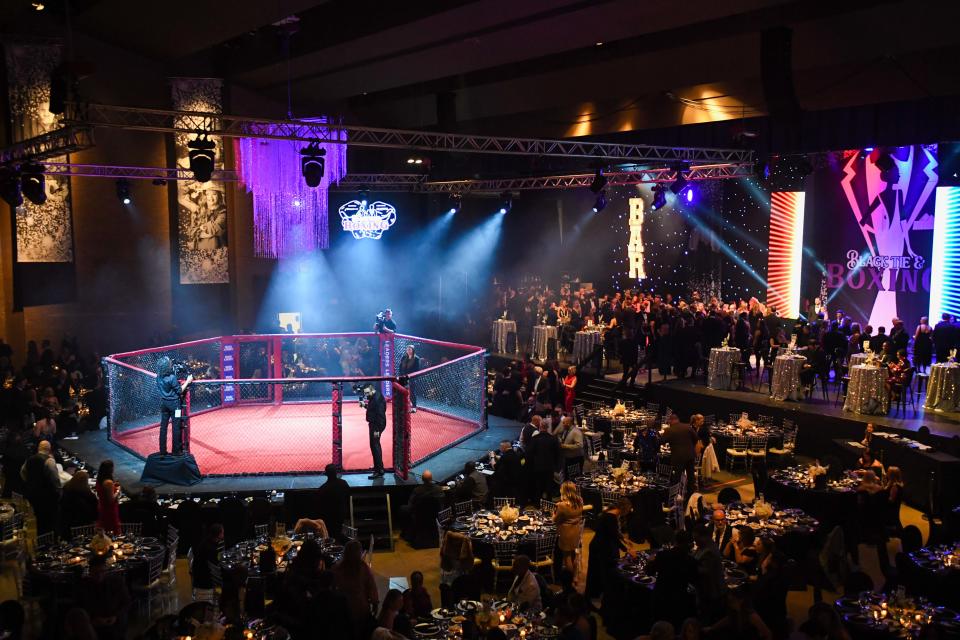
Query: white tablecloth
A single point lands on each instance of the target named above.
(943, 387)
(867, 391)
(720, 367)
(583, 344)
(541, 336)
(785, 384)
(499, 333)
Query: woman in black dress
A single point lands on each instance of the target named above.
(410, 363)
(923, 345)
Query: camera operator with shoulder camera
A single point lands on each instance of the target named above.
(385, 323)
(171, 391)
(376, 405)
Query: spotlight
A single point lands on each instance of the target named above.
(123, 191)
(414, 160)
(38, 6)
(679, 184)
(455, 202)
(201, 156)
(659, 196)
(312, 164)
(599, 182)
(297, 202)
(601, 202)
(10, 186)
(33, 182)
(689, 194)
(507, 199)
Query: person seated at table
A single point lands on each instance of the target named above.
(647, 445)
(740, 620)
(816, 363)
(294, 595)
(719, 529)
(893, 488)
(104, 596)
(698, 423)
(568, 517)
(45, 428)
(899, 372)
(206, 554)
(416, 599)
(868, 463)
(740, 549)
(311, 525)
(525, 590)
(473, 486)
(392, 616)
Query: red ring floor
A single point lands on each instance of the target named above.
(294, 438)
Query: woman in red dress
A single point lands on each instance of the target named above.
(569, 389)
(108, 509)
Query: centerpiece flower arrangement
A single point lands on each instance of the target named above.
(762, 509)
(744, 422)
(817, 473)
(281, 542)
(953, 355)
(619, 409)
(101, 543)
(509, 514)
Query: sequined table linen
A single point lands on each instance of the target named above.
(498, 336)
(867, 391)
(720, 367)
(785, 384)
(943, 388)
(541, 337)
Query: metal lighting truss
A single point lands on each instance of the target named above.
(191, 122)
(69, 139)
(419, 182)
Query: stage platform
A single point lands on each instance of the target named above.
(93, 447)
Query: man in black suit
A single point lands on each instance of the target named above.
(742, 336)
(944, 338)
(507, 472)
(682, 440)
(543, 457)
(333, 501)
(376, 422)
(720, 529)
(876, 342)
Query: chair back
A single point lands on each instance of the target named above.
(741, 443)
(758, 444)
(574, 470)
(664, 472)
(504, 551)
(261, 530)
(464, 508)
(545, 546)
(350, 533)
(445, 515)
(81, 531)
(500, 503)
(46, 539)
(594, 443)
(547, 507)
(131, 528)
(610, 498)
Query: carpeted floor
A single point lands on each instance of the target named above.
(295, 438)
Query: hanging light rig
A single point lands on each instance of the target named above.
(312, 164)
(202, 156)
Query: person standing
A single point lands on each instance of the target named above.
(923, 345)
(170, 392)
(543, 457)
(333, 501)
(682, 440)
(410, 363)
(571, 443)
(108, 509)
(385, 323)
(376, 423)
(41, 483)
(569, 389)
(944, 338)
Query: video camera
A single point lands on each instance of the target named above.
(360, 388)
(180, 368)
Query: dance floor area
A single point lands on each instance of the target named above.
(295, 438)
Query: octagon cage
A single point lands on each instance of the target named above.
(288, 403)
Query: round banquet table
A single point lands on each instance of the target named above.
(447, 623)
(943, 387)
(790, 527)
(628, 603)
(873, 616)
(867, 390)
(65, 562)
(646, 492)
(933, 572)
(246, 554)
(498, 335)
(785, 384)
(584, 343)
(485, 527)
(605, 420)
(834, 504)
(542, 333)
(720, 367)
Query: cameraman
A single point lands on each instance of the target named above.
(376, 421)
(385, 323)
(170, 393)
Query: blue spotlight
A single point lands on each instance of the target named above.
(452, 210)
(502, 211)
(507, 199)
(689, 194)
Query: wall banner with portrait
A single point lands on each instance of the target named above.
(201, 206)
(44, 232)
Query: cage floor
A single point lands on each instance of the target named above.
(294, 438)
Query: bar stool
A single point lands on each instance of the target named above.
(922, 380)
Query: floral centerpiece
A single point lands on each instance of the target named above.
(101, 543)
(619, 409)
(744, 422)
(953, 356)
(281, 542)
(763, 509)
(509, 514)
(818, 474)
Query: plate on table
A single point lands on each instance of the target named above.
(426, 630)
(644, 579)
(468, 606)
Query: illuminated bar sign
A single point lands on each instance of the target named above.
(367, 220)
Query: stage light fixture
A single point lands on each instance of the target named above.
(456, 201)
(312, 164)
(123, 191)
(659, 196)
(599, 182)
(600, 203)
(689, 193)
(33, 183)
(10, 186)
(679, 184)
(201, 157)
(507, 203)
